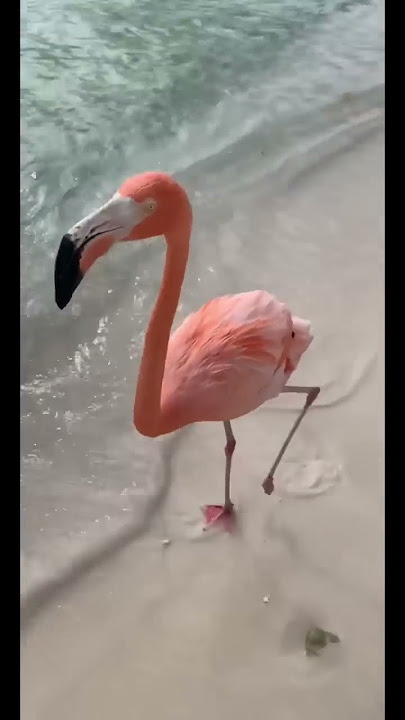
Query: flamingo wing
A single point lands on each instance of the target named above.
(229, 357)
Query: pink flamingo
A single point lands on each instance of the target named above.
(224, 360)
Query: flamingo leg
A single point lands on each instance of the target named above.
(311, 393)
(229, 449)
(223, 514)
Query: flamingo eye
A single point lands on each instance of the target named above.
(150, 204)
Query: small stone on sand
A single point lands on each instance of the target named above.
(316, 639)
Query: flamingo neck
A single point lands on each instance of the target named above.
(148, 418)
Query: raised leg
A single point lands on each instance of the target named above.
(311, 393)
(223, 514)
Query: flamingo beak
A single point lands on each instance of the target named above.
(89, 239)
(67, 271)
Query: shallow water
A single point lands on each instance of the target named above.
(234, 98)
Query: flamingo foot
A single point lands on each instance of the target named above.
(219, 515)
(268, 485)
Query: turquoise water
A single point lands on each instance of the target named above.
(223, 94)
(114, 87)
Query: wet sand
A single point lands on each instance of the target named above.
(182, 631)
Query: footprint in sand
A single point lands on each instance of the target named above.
(298, 480)
(307, 479)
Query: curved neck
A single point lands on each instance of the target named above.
(147, 409)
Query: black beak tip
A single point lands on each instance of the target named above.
(61, 300)
(67, 271)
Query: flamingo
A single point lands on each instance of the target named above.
(224, 361)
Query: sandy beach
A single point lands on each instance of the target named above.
(182, 630)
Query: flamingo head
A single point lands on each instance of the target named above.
(145, 206)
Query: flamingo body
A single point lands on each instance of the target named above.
(233, 354)
(224, 360)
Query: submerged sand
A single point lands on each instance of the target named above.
(182, 630)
